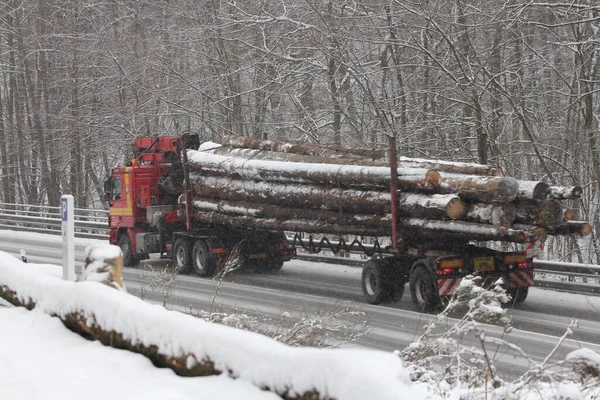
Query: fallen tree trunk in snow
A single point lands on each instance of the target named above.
(192, 347)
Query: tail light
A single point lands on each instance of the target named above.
(527, 264)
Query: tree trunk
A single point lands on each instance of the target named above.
(548, 213)
(480, 188)
(501, 214)
(309, 153)
(409, 179)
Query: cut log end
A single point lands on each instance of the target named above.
(455, 208)
(569, 215)
(432, 179)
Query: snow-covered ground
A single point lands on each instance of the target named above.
(41, 359)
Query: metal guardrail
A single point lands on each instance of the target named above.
(92, 224)
(557, 275)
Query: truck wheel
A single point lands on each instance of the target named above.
(202, 260)
(375, 287)
(181, 255)
(396, 278)
(275, 265)
(518, 295)
(125, 245)
(423, 289)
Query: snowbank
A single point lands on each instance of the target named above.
(343, 374)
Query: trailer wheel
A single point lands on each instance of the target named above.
(374, 284)
(423, 289)
(270, 266)
(181, 255)
(275, 265)
(125, 244)
(518, 295)
(202, 260)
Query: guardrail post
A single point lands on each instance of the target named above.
(67, 211)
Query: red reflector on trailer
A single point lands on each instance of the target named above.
(218, 250)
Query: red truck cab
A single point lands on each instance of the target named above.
(152, 182)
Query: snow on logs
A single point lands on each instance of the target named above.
(433, 206)
(303, 187)
(318, 173)
(275, 149)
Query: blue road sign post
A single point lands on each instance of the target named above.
(67, 216)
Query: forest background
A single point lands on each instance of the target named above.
(513, 84)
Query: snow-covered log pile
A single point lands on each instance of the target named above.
(323, 189)
(192, 347)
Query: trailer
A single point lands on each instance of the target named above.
(203, 205)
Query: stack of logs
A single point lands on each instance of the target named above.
(303, 187)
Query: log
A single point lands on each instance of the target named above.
(411, 230)
(292, 195)
(449, 166)
(353, 155)
(503, 214)
(548, 213)
(480, 188)
(565, 192)
(420, 229)
(569, 228)
(435, 206)
(293, 225)
(308, 149)
(343, 200)
(268, 211)
(403, 162)
(409, 179)
(535, 190)
(568, 215)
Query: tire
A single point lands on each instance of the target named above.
(396, 291)
(275, 266)
(124, 243)
(396, 279)
(423, 289)
(518, 295)
(265, 267)
(375, 287)
(203, 262)
(182, 256)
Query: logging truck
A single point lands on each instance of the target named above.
(419, 221)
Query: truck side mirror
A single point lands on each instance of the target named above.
(108, 189)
